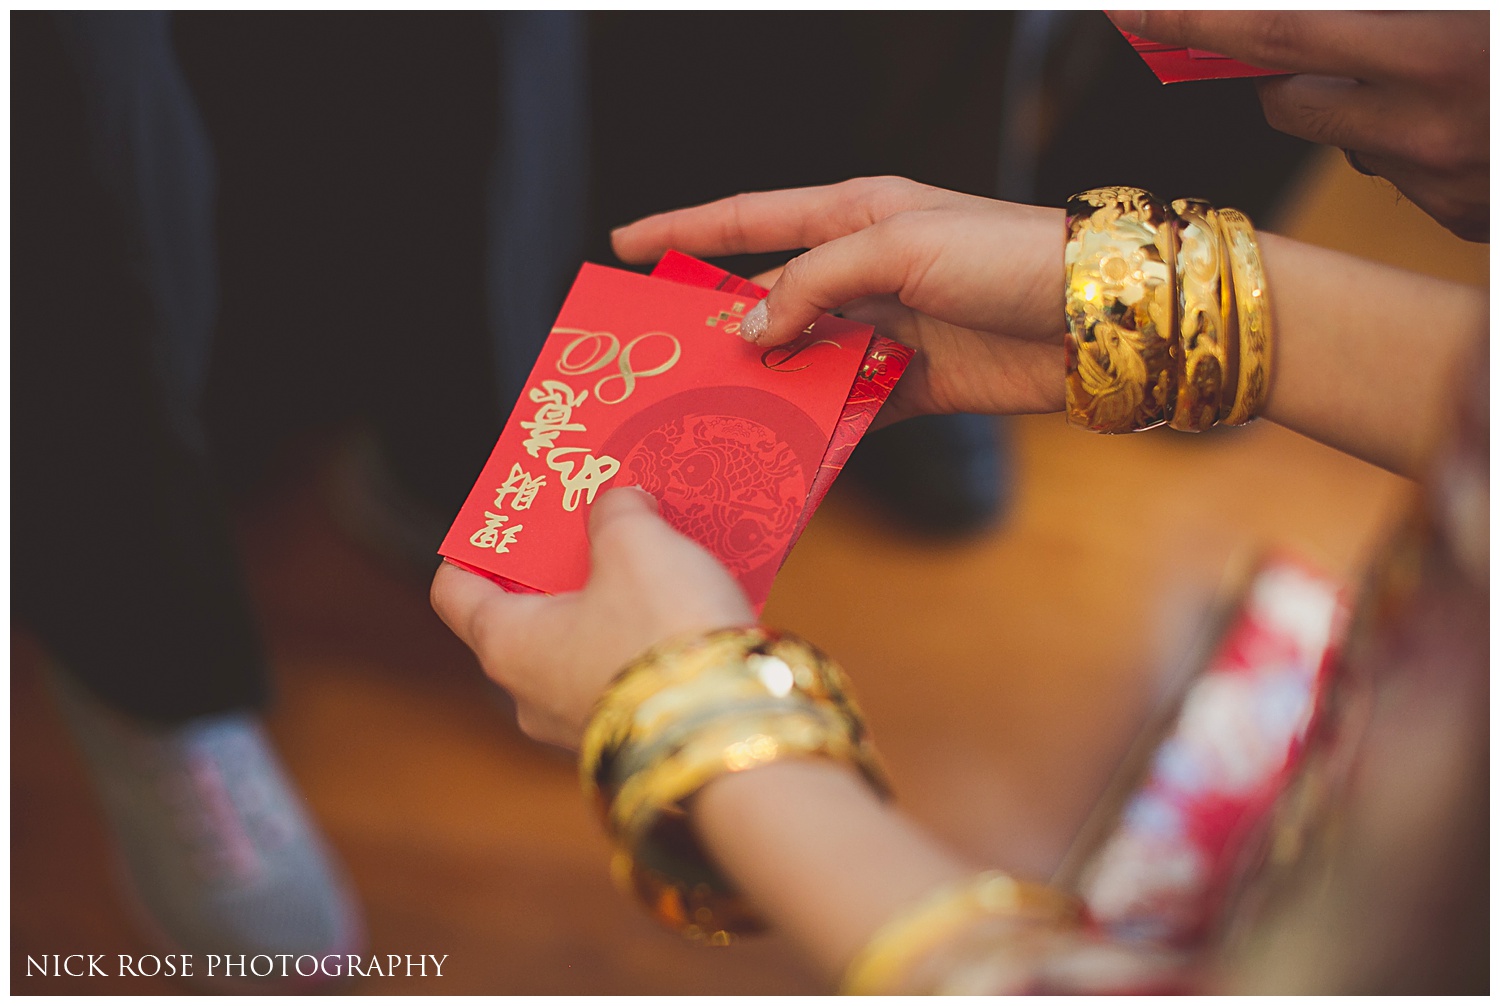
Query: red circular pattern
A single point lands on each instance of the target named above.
(727, 482)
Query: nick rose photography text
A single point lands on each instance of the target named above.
(234, 965)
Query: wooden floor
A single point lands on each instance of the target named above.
(1003, 678)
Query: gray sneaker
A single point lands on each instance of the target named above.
(218, 853)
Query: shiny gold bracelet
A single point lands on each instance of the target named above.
(1121, 307)
(732, 741)
(690, 711)
(656, 690)
(1204, 303)
(899, 947)
(1253, 314)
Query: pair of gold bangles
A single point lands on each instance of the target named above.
(1167, 313)
(685, 713)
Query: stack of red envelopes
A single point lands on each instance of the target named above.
(643, 381)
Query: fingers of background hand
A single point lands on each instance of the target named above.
(1336, 111)
(1337, 43)
(774, 221)
(1377, 120)
(478, 611)
(1458, 202)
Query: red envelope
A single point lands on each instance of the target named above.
(1173, 64)
(638, 384)
(885, 361)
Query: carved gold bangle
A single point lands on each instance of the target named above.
(899, 947)
(1253, 313)
(686, 713)
(1204, 302)
(1121, 342)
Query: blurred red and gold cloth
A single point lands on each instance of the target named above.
(643, 381)
(1188, 823)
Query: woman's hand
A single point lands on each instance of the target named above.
(1404, 93)
(975, 285)
(556, 654)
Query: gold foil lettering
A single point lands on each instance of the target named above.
(523, 485)
(627, 374)
(557, 402)
(494, 535)
(592, 473)
(777, 357)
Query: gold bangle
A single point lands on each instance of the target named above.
(1253, 313)
(734, 741)
(1203, 312)
(684, 714)
(905, 941)
(728, 665)
(1121, 342)
(659, 858)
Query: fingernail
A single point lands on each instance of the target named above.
(753, 327)
(651, 500)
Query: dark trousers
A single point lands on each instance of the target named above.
(158, 269)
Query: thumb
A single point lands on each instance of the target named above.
(635, 553)
(627, 536)
(623, 504)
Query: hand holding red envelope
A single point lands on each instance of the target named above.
(642, 381)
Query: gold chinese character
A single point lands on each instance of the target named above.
(592, 474)
(523, 485)
(557, 402)
(492, 535)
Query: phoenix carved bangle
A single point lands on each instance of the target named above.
(1204, 302)
(1253, 313)
(686, 713)
(1121, 340)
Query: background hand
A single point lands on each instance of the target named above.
(556, 654)
(974, 284)
(1404, 93)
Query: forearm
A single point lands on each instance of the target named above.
(1364, 353)
(826, 861)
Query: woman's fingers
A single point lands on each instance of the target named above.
(774, 221)
(995, 268)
